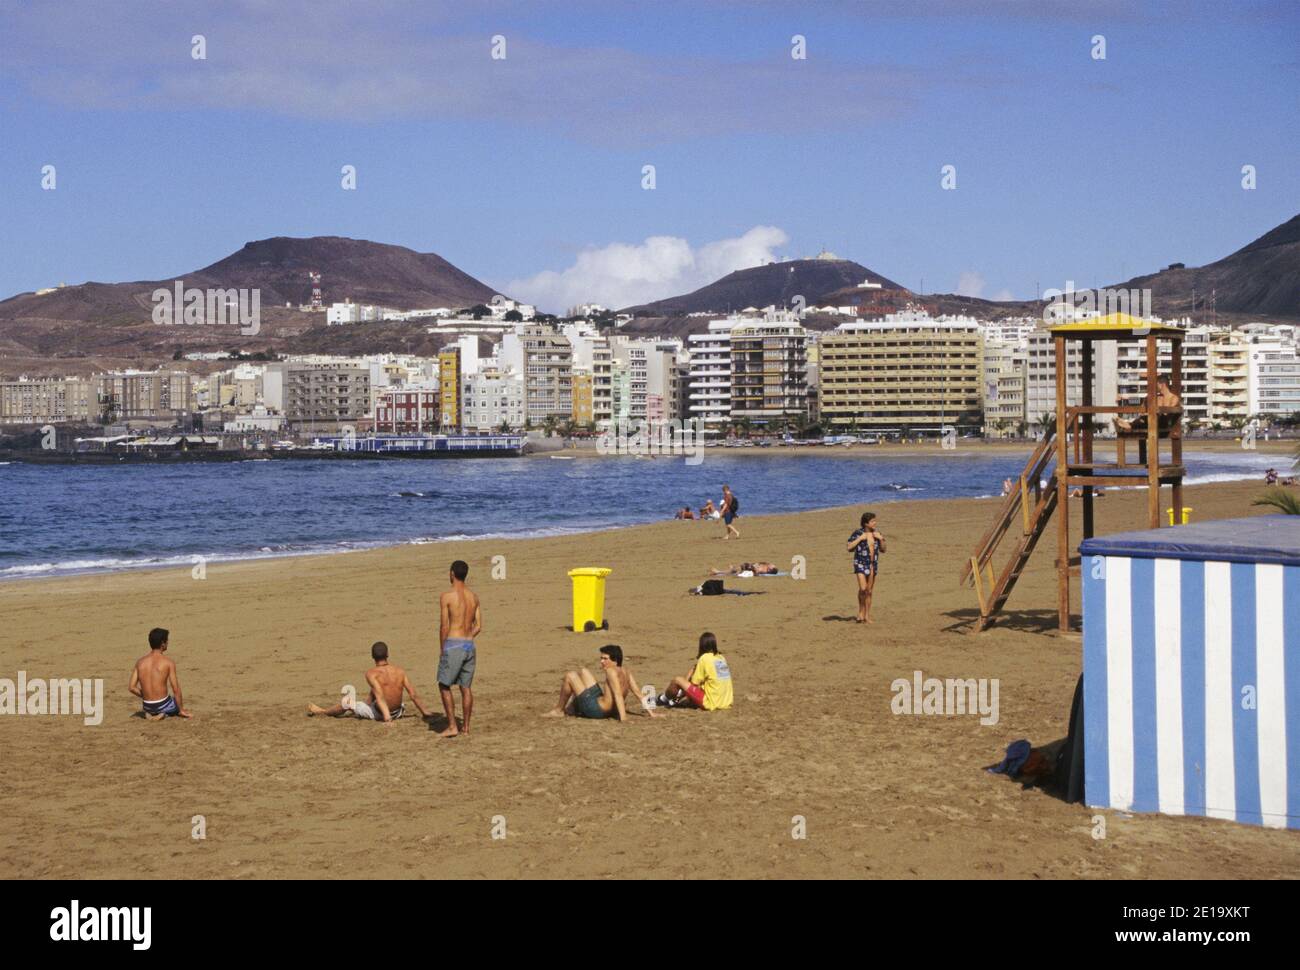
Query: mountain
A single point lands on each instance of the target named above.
(773, 284)
(113, 321)
(1261, 279)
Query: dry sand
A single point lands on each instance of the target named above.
(692, 793)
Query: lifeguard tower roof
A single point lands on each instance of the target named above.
(1113, 326)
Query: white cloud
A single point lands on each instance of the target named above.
(970, 283)
(625, 274)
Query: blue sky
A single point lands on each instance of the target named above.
(527, 172)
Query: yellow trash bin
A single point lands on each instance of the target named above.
(588, 596)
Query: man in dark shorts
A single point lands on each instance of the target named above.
(730, 509)
(581, 696)
(154, 680)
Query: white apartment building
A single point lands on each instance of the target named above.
(1130, 362)
(1004, 386)
(492, 398)
(545, 359)
(710, 368)
(338, 314)
(592, 354)
(1274, 382)
(1229, 365)
(630, 378)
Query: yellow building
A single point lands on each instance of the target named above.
(449, 381)
(906, 373)
(584, 410)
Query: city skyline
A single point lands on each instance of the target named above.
(528, 171)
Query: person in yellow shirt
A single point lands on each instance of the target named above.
(707, 686)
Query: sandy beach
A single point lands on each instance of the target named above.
(690, 794)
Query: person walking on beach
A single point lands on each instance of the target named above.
(866, 544)
(460, 622)
(387, 683)
(730, 509)
(707, 686)
(154, 680)
(581, 696)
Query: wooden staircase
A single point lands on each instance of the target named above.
(1026, 511)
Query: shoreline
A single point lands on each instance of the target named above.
(186, 561)
(812, 732)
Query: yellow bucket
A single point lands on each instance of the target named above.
(1186, 516)
(588, 596)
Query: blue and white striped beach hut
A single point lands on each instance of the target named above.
(1191, 670)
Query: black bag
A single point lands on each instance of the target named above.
(735, 504)
(712, 587)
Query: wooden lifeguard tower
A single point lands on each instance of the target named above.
(1069, 445)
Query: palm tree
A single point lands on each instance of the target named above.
(1280, 499)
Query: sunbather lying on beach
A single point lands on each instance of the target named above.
(708, 511)
(581, 696)
(387, 682)
(747, 569)
(154, 680)
(707, 686)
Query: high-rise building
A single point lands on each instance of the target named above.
(769, 370)
(51, 400)
(1274, 379)
(545, 359)
(1229, 365)
(145, 395)
(582, 411)
(449, 378)
(905, 373)
(710, 362)
(1004, 387)
(325, 395)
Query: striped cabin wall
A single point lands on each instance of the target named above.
(1171, 647)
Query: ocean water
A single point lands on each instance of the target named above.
(62, 519)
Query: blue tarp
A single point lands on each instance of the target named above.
(1260, 538)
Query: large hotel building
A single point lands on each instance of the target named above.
(907, 372)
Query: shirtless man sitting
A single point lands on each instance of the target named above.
(461, 620)
(154, 680)
(387, 682)
(581, 696)
(1165, 398)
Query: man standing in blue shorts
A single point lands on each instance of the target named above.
(461, 621)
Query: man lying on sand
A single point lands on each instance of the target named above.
(460, 622)
(153, 676)
(707, 686)
(747, 569)
(387, 682)
(581, 696)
